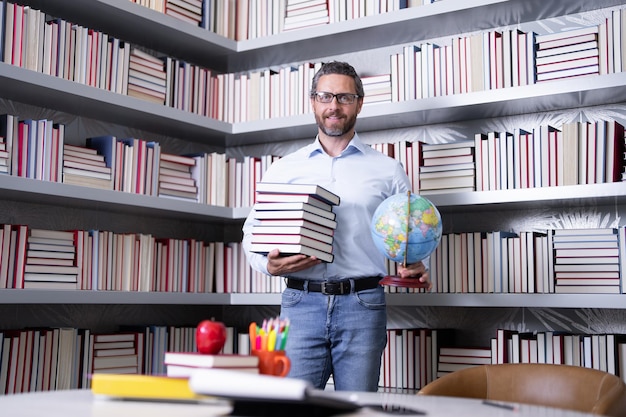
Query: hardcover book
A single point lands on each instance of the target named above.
(311, 189)
(300, 223)
(291, 249)
(296, 214)
(282, 207)
(143, 387)
(293, 230)
(200, 360)
(292, 239)
(292, 198)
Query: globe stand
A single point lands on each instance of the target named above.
(396, 281)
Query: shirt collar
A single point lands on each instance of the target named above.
(355, 145)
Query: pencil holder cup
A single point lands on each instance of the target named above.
(273, 362)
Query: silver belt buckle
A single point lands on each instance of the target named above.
(341, 285)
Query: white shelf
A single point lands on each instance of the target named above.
(616, 301)
(109, 297)
(46, 91)
(44, 192)
(259, 299)
(607, 193)
(65, 195)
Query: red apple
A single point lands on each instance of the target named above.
(210, 337)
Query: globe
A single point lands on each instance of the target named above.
(406, 228)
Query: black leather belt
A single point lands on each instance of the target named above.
(334, 287)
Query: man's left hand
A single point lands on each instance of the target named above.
(416, 271)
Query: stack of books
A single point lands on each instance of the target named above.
(567, 54)
(51, 260)
(304, 13)
(176, 177)
(146, 77)
(624, 159)
(377, 88)
(456, 358)
(182, 364)
(447, 168)
(116, 353)
(586, 260)
(189, 11)
(294, 218)
(4, 156)
(85, 166)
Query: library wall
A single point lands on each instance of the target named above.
(473, 325)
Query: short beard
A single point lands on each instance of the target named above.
(336, 132)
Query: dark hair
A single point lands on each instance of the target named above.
(341, 68)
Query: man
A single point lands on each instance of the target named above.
(337, 329)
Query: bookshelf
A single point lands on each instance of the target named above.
(154, 30)
(130, 21)
(34, 297)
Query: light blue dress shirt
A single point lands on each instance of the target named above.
(362, 177)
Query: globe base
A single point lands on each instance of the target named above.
(395, 281)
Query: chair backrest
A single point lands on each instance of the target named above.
(562, 386)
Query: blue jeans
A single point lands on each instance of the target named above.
(342, 335)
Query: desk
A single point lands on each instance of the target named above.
(81, 403)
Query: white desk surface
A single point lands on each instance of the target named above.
(82, 403)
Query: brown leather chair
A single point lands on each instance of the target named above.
(562, 386)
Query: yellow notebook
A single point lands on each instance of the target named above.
(144, 387)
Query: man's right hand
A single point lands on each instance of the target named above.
(279, 265)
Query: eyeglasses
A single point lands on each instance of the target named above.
(342, 98)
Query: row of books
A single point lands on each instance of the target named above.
(243, 20)
(469, 64)
(577, 153)
(415, 357)
(409, 360)
(66, 358)
(476, 63)
(33, 40)
(605, 352)
(507, 58)
(107, 261)
(574, 153)
(36, 149)
(555, 261)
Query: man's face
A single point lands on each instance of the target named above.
(335, 119)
